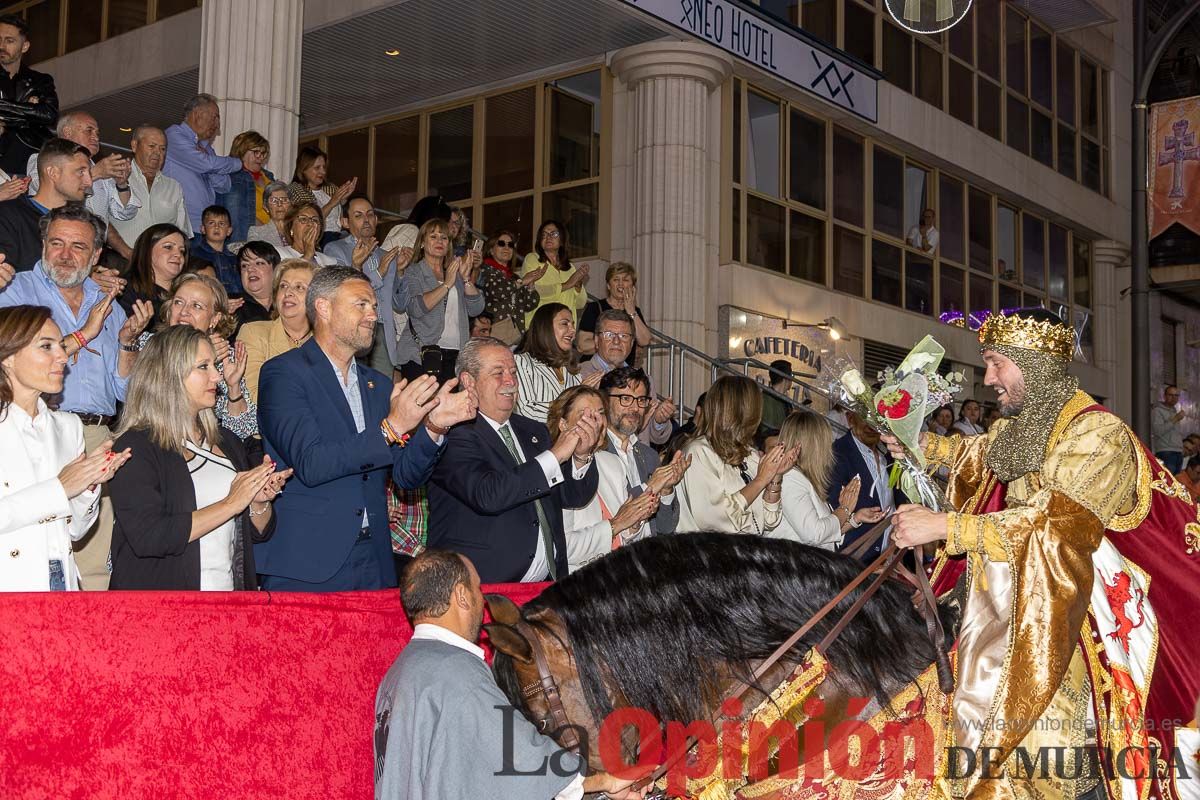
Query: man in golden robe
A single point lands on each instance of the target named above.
(1079, 560)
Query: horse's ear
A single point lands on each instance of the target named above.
(502, 609)
(508, 640)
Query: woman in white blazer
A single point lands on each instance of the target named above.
(613, 517)
(807, 517)
(49, 490)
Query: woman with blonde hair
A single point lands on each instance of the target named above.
(200, 301)
(729, 487)
(807, 517)
(189, 505)
(244, 200)
(288, 327)
(613, 517)
(621, 280)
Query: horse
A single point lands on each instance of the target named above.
(671, 624)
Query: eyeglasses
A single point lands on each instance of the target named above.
(504, 243)
(261, 152)
(613, 336)
(551, 235)
(309, 219)
(278, 201)
(627, 400)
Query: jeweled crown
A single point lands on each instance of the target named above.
(1038, 335)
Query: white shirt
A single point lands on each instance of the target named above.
(211, 477)
(807, 517)
(333, 220)
(633, 473)
(879, 491)
(967, 428)
(451, 336)
(319, 258)
(710, 495)
(931, 238)
(538, 386)
(161, 202)
(430, 632)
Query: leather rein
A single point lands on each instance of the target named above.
(887, 564)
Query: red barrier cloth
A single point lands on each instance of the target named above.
(195, 695)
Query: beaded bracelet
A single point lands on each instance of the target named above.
(389, 433)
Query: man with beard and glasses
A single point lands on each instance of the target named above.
(101, 344)
(344, 429)
(626, 393)
(1081, 593)
(443, 728)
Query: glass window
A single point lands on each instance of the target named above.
(1031, 300)
(1081, 278)
(952, 283)
(737, 131)
(396, 146)
(951, 219)
(918, 284)
(916, 198)
(962, 38)
(83, 23)
(508, 142)
(515, 215)
(1057, 250)
(1066, 83)
(1033, 251)
(885, 273)
(889, 194)
(574, 150)
(848, 177)
(929, 75)
(962, 99)
(807, 160)
(764, 234)
(897, 57)
(807, 248)
(1041, 139)
(349, 154)
(989, 108)
(979, 210)
(1041, 48)
(1014, 51)
(126, 15)
(820, 19)
(848, 272)
(981, 297)
(762, 144)
(1008, 298)
(859, 31)
(987, 13)
(1066, 151)
(451, 134)
(737, 225)
(43, 28)
(579, 209)
(1018, 124)
(1006, 242)
(1089, 93)
(784, 9)
(1089, 153)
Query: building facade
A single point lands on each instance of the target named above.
(765, 166)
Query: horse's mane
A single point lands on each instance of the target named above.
(662, 621)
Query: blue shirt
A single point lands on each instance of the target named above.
(223, 261)
(92, 385)
(353, 399)
(200, 171)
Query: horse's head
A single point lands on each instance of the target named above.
(535, 669)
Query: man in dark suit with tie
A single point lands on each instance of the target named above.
(627, 402)
(344, 429)
(498, 491)
(857, 453)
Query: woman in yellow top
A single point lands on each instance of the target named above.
(288, 328)
(558, 281)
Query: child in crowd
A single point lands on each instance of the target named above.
(209, 245)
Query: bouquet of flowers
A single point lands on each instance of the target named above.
(907, 395)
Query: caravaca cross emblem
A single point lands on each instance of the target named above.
(1119, 593)
(1178, 148)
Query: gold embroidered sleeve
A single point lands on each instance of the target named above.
(939, 450)
(1094, 463)
(1003, 535)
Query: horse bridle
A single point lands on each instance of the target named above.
(557, 721)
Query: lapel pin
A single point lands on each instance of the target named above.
(533, 439)
(370, 384)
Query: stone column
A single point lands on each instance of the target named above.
(250, 61)
(673, 233)
(1108, 336)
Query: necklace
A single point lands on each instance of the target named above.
(296, 342)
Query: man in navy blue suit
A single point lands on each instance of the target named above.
(499, 489)
(857, 453)
(342, 427)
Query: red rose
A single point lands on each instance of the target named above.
(895, 405)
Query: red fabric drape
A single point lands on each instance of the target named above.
(191, 695)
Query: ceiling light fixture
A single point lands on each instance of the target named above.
(126, 130)
(391, 52)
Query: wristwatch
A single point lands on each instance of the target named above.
(131, 348)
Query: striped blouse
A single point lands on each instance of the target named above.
(539, 386)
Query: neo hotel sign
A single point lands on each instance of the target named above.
(770, 46)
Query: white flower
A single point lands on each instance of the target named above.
(854, 383)
(915, 361)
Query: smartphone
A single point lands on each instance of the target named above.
(478, 246)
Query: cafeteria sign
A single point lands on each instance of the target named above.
(747, 34)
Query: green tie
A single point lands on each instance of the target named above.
(543, 523)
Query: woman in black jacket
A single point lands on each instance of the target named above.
(188, 512)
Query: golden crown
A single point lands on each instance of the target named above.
(1038, 335)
